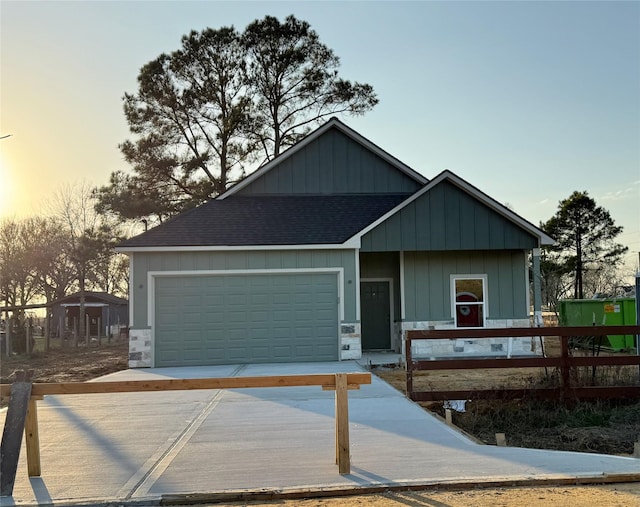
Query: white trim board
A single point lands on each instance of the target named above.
(347, 245)
(402, 287)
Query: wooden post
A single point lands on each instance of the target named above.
(47, 330)
(408, 360)
(448, 417)
(99, 331)
(14, 427)
(564, 368)
(342, 424)
(86, 329)
(108, 326)
(32, 439)
(9, 334)
(29, 336)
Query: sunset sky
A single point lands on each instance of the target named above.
(528, 101)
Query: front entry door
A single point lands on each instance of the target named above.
(375, 309)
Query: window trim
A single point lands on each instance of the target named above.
(485, 300)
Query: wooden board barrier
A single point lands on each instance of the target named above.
(130, 386)
(22, 415)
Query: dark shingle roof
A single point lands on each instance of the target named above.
(270, 220)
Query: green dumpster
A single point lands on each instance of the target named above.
(601, 312)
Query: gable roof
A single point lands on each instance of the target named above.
(265, 221)
(543, 238)
(333, 123)
(244, 221)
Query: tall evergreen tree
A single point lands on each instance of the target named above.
(190, 116)
(584, 234)
(224, 101)
(295, 81)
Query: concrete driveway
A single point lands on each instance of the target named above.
(141, 447)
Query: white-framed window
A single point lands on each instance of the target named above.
(469, 300)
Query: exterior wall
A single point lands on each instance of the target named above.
(446, 218)
(486, 347)
(333, 164)
(427, 304)
(427, 290)
(141, 334)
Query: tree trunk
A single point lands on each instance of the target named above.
(578, 286)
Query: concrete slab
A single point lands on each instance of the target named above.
(138, 447)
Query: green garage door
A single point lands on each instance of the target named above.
(265, 318)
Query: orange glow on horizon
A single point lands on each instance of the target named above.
(6, 189)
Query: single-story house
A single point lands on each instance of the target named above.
(103, 311)
(333, 248)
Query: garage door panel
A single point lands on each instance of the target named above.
(213, 352)
(234, 333)
(238, 354)
(259, 317)
(323, 350)
(281, 316)
(303, 315)
(304, 350)
(258, 337)
(259, 299)
(322, 314)
(304, 335)
(213, 321)
(236, 316)
(322, 331)
(192, 283)
(246, 318)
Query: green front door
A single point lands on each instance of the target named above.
(375, 309)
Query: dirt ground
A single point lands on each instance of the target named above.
(618, 495)
(68, 364)
(85, 363)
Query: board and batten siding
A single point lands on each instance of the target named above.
(143, 262)
(447, 218)
(427, 283)
(332, 164)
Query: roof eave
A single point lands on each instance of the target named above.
(350, 244)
